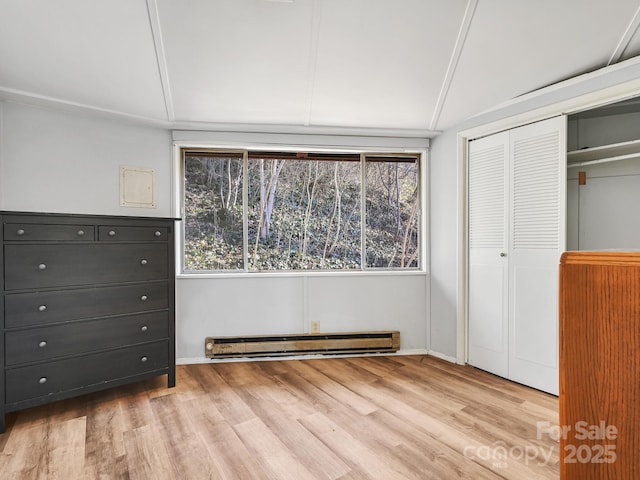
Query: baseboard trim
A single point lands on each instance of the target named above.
(442, 356)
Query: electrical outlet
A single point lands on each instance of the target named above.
(315, 327)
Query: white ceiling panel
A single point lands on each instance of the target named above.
(97, 53)
(382, 63)
(412, 66)
(532, 44)
(237, 60)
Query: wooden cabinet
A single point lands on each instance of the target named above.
(600, 365)
(87, 303)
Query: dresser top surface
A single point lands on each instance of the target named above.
(50, 217)
(628, 258)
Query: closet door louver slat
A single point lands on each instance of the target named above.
(487, 200)
(536, 193)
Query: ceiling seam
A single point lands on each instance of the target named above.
(626, 38)
(161, 60)
(34, 99)
(453, 62)
(316, 16)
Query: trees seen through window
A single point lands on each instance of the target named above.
(264, 211)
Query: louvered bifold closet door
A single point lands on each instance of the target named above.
(536, 240)
(488, 302)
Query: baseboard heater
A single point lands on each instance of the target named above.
(302, 344)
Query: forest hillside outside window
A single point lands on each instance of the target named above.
(273, 211)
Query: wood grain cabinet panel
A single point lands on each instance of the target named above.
(87, 303)
(600, 366)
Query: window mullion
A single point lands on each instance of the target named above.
(363, 213)
(245, 211)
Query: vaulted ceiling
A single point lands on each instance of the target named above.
(412, 66)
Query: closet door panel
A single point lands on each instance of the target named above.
(537, 239)
(488, 302)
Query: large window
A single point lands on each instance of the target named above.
(271, 211)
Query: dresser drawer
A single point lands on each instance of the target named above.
(44, 307)
(57, 265)
(35, 381)
(36, 344)
(34, 232)
(123, 234)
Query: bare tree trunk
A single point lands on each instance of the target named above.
(229, 186)
(407, 232)
(267, 199)
(336, 212)
(276, 168)
(210, 166)
(307, 216)
(236, 185)
(263, 202)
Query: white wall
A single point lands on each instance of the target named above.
(589, 89)
(281, 304)
(602, 214)
(443, 231)
(603, 130)
(287, 303)
(66, 162)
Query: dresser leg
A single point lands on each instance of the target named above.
(3, 424)
(171, 379)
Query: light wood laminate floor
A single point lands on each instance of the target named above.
(376, 417)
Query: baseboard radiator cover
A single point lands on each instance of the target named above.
(303, 344)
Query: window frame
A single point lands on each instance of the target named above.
(421, 155)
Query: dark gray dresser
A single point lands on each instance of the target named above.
(87, 303)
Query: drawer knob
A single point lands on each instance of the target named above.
(42, 266)
(144, 359)
(144, 328)
(144, 298)
(158, 233)
(42, 344)
(80, 233)
(42, 380)
(143, 261)
(112, 233)
(20, 232)
(42, 308)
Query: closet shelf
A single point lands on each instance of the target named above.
(605, 153)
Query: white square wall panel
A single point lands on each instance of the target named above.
(137, 187)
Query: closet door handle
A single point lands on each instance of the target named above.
(502, 254)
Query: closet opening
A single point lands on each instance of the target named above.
(603, 177)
